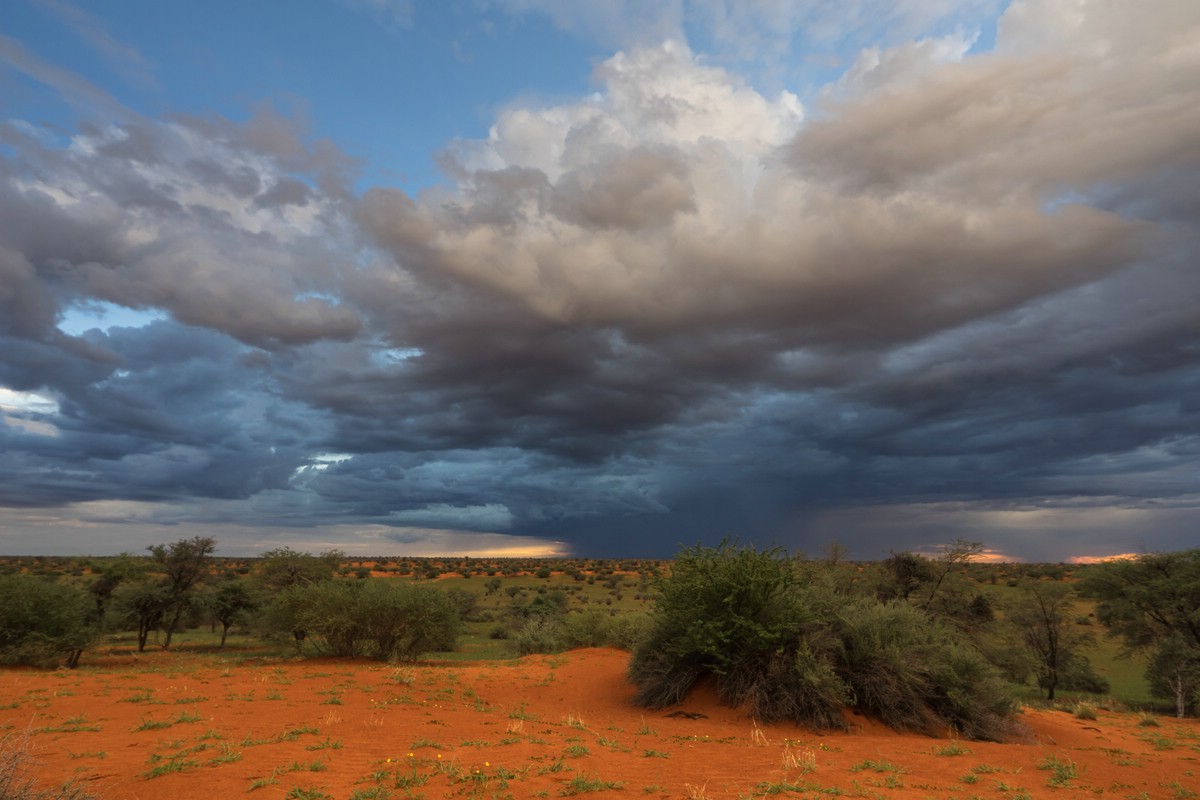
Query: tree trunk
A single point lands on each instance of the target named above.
(171, 626)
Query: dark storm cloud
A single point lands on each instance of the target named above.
(173, 413)
(964, 294)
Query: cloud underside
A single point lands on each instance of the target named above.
(679, 305)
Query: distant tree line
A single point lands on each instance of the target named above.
(46, 621)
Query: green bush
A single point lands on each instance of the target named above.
(44, 623)
(383, 619)
(916, 674)
(789, 648)
(538, 635)
(590, 628)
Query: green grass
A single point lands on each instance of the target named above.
(153, 725)
(70, 725)
(419, 743)
(325, 744)
(141, 696)
(228, 755)
(1061, 772)
(166, 765)
(581, 784)
(374, 793)
(307, 793)
(877, 766)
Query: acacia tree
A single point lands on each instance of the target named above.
(388, 620)
(141, 605)
(111, 574)
(163, 601)
(185, 564)
(933, 586)
(1174, 673)
(284, 567)
(1042, 615)
(231, 601)
(1153, 603)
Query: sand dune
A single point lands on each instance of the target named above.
(194, 727)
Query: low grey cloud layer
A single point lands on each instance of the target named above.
(956, 297)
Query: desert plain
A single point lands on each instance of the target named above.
(191, 725)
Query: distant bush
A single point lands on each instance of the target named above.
(383, 619)
(591, 628)
(788, 648)
(44, 623)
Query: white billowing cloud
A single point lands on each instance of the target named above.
(587, 210)
(654, 96)
(680, 196)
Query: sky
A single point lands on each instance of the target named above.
(600, 278)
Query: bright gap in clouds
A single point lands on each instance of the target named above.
(21, 409)
(79, 319)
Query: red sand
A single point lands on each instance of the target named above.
(542, 726)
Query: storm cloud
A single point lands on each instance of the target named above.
(952, 294)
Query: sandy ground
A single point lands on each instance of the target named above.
(187, 727)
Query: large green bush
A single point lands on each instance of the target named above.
(787, 647)
(44, 623)
(383, 619)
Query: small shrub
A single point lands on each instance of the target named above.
(16, 784)
(539, 635)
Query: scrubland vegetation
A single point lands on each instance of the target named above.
(922, 644)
